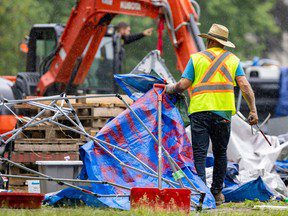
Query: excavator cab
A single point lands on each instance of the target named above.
(42, 46)
(42, 43)
(104, 66)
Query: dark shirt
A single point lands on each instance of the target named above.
(132, 37)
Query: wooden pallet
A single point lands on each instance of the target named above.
(86, 121)
(100, 101)
(48, 141)
(49, 133)
(83, 110)
(105, 101)
(46, 147)
(32, 157)
(17, 171)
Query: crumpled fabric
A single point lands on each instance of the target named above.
(126, 132)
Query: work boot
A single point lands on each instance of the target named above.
(219, 198)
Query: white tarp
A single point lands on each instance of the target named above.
(254, 155)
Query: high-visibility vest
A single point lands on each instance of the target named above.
(213, 86)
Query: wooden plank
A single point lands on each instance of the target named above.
(107, 112)
(17, 171)
(72, 101)
(26, 119)
(109, 101)
(87, 121)
(32, 157)
(52, 136)
(99, 123)
(45, 148)
(47, 127)
(48, 133)
(95, 102)
(44, 141)
(94, 132)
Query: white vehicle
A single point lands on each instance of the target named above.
(264, 79)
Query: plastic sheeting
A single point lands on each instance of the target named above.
(255, 189)
(126, 132)
(136, 85)
(254, 156)
(282, 106)
(234, 190)
(282, 169)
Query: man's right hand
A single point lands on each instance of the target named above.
(253, 118)
(148, 32)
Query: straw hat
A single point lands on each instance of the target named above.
(220, 34)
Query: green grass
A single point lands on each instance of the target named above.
(245, 208)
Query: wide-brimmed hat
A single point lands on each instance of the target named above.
(220, 34)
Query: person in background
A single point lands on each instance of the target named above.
(212, 75)
(124, 30)
(123, 37)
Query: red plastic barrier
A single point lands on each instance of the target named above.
(21, 200)
(168, 199)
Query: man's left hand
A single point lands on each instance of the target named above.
(148, 32)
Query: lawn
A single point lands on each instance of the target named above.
(245, 208)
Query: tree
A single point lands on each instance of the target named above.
(16, 17)
(250, 22)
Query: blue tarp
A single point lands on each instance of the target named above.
(282, 106)
(252, 190)
(126, 132)
(282, 168)
(136, 85)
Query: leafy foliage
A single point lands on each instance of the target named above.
(250, 23)
(16, 17)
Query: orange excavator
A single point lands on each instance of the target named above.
(84, 54)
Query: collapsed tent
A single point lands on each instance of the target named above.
(125, 131)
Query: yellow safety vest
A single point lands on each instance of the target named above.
(213, 86)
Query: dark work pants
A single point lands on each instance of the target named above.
(203, 126)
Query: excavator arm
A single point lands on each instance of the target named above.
(87, 26)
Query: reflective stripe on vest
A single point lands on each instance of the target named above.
(210, 56)
(215, 87)
(216, 64)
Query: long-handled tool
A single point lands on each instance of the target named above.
(259, 129)
(157, 196)
(159, 100)
(265, 137)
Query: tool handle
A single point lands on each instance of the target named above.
(265, 137)
(158, 85)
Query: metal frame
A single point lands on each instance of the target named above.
(59, 111)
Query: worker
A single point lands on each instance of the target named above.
(123, 37)
(212, 75)
(124, 30)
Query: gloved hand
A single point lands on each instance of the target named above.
(169, 88)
